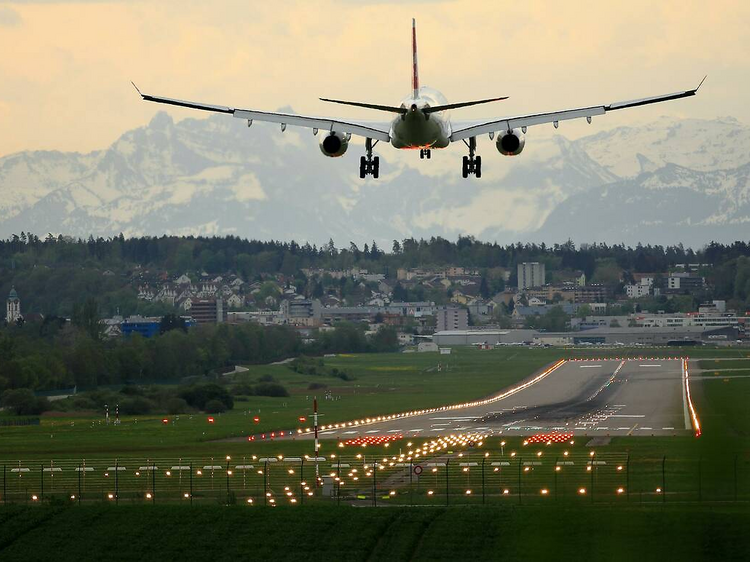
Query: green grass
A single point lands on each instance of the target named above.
(383, 383)
(319, 533)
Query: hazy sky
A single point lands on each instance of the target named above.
(66, 66)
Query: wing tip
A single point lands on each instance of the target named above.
(136, 88)
(701, 84)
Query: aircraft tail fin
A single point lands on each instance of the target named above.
(415, 67)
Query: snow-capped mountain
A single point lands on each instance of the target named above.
(657, 183)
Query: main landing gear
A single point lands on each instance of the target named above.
(369, 165)
(425, 153)
(472, 164)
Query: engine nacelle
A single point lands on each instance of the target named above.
(511, 143)
(334, 144)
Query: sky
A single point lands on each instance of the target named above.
(66, 67)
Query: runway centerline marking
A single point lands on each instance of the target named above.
(589, 366)
(649, 365)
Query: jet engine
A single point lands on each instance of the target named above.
(510, 143)
(334, 144)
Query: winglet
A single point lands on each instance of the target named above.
(701, 84)
(136, 88)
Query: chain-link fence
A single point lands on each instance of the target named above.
(455, 479)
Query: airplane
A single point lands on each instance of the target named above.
(422, 122)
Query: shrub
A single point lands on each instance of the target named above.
(243, 388)
(22, 402)
(271, 389)
(215, 407)
(136, 405)
(131, 390)
(266, 378)
(177, 406)
(316, 386)
(198, 396)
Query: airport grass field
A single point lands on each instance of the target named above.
(381, 384)
(704, 515)
(320, 533)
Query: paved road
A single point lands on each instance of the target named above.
(599, 398)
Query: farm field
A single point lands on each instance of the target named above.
(330, 533)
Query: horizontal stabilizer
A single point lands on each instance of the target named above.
(460, 104)
(390, 108)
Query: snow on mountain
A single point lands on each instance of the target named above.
(214, 176)
(694, 143)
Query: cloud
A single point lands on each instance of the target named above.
(9, 17)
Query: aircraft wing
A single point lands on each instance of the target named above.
(374, 131)
(466, 131)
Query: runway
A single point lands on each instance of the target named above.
(592, 397)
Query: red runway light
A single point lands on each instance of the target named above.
(302, 419)
(256, 419)
(210, 420)
(165, 421)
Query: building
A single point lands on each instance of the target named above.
(145, 326)
(13, 307)
(637, 291)
(301, 311)
(530, 274)
(207, 311)
(684, 282)
(591, 293)
(452, 318)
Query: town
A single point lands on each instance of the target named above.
(529, 302)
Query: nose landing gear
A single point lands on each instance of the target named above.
(425, 153)
(369, 165)
(472, 164)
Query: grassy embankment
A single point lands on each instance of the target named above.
(320, 533)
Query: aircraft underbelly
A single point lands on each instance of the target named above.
(418, 133)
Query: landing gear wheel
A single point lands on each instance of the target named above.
(369, 165)
(429, 154)
(472, 164)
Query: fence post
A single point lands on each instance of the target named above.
(117, 482)
(227, 475)
(627, 478)
(700, 480)
(593, 469)
(41, 478)
(301, 480)
(265, 483)
(79, 483)
(483, 498)
(191, 482)
(153, 482)
(375, 483)
(735, 477)
(447, 483)
(554, 469)
(663, 479)
(5, 487)
(519, 481)
(338, 483)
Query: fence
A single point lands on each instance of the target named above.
(458, 479)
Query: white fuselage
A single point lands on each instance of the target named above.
(416, 129)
